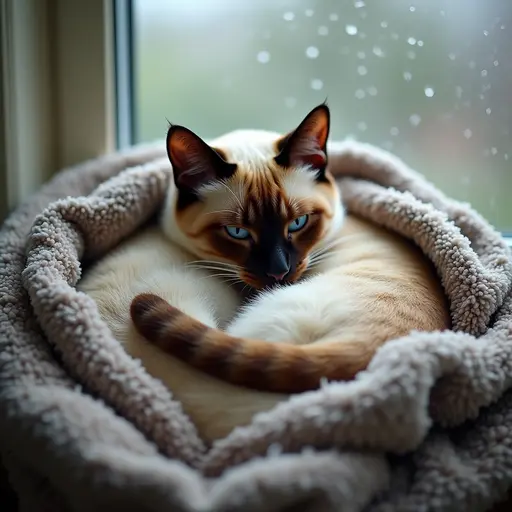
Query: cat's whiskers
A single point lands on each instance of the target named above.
(296, 203)
(237, 199)
(214, 262)
(228, 272)
(220, 271)
(321, 256)
(226, 211)
(228, 279)
(325, 248)
(317, 262)
(210, 265)
(220, 274)
(323, 253)
(214, 265)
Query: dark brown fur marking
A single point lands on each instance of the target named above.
(264, 366)
(153, 317)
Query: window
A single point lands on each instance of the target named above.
(429, 80)
(56, 91)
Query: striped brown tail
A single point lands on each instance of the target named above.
(256, 364)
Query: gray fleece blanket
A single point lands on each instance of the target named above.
(83, 427)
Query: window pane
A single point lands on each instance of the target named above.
(430, 80)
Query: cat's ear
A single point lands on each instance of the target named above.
(306, 145)
(194, 162)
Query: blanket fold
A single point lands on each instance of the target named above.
(84, 426)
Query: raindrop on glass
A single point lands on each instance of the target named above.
(488, 111)
(312, 52)
(442, 13)
(407, 76)
(377, 51)
(395, 36)
(452, 56)
(288, 16)
(317, 84)
(351, 30)
(358, 4)
(412, 8)
(415, 119)
(496, 63)
(323, 30)
(360, 94)
(411, 41)
(494, 151)
(483, 73)
(429, 92)
(394, 131)
(263, 57)
(411, 55)
(361, 126)
(361, 70)
(384, 24)
(420, 42)
(309, 13)
(361, 55)
(505, 156)
(467, 133)
(458, 91)
(372, 90)
(290, 101)
(486, 33)
(333, 17)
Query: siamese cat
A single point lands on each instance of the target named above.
(260, 209)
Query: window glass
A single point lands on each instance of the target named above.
(430, 80)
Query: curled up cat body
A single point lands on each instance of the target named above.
(372, 288)
(329, 325)
(261, 209)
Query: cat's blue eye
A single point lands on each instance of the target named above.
(297, 224)
(237, 232)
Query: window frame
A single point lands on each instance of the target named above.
(124, 72)
(57, 94)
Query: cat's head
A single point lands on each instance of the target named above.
(258, 202)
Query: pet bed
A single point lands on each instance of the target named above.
(84, 427)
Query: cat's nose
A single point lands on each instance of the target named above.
(278, 264)
(278, 277)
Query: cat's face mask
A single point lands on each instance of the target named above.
(257, 210)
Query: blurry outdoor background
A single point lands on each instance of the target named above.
(430, 80)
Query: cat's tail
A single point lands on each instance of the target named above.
(256, 364)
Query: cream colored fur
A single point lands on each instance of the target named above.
(153, 261)
(149, 262)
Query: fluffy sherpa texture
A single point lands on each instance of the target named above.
(84, 427)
